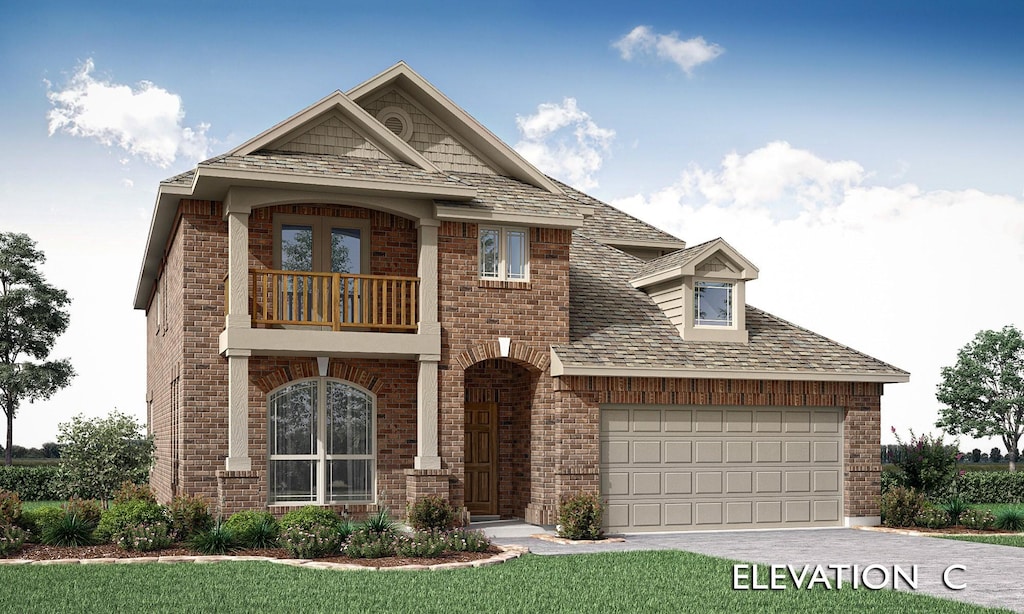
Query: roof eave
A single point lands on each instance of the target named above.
(463, 214)
(559, 368)
(354, 185)
(160, 223)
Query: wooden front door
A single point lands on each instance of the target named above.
(482, 458)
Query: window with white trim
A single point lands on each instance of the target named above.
(712, 303)
(504, 253)
(321, 442)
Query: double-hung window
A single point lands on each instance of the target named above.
(321, 442)
(504, 253)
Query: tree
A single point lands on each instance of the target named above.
(975, 454)
(97, 455)
(32, 316)
(995, 455)
(984, 391)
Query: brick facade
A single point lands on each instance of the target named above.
(548, 427)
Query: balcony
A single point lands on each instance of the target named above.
(332, 301)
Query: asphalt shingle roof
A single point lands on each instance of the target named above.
(609, 223)
(613, 324)
(677, 258)
(504, 194)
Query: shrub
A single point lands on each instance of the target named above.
(932, 518)
(431, 514)
(12, 539)
(70, 530)
(130, 491)
(254, 529)
(978, 519)
(99, 454)
(10, 507)
(189, 515)
(466, 540)
(421, 544)
(991, 486)
(346, 528)
(37, 483)
(34, 521)
(1010, 519)
(310, 542)
(891, 479)
(91, 510)
(955, 506)
(144, 537)
(130, 513)
(365, 543)
(579, 516)
(928, 464)
(900, 506)
(308, 517)
(218, 539)
(380, 523)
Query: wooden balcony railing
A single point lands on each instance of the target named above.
(336, 300)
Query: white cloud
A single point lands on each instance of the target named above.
(686, 54)
(563, 141)
(904, 274)
(145, 121)
(127, 183)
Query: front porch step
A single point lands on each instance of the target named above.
(475, 518)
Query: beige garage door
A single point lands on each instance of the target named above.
(690, 468)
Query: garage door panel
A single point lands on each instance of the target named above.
(739, 451)
(698, 468)
(678, 452)
(708, 452)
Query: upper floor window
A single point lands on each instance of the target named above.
(712, 303)
(504, 253)
(322, 244)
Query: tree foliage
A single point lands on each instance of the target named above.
(99, 454)
(32, 315)
(983, 392)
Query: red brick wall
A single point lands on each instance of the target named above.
(474, 312)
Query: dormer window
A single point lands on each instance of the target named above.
(702, 291)
(712, 303)
(504, 253)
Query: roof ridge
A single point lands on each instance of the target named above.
(573, 191)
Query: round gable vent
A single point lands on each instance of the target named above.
(396, 120)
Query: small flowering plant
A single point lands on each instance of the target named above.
(311, 542)
(927, 462)
(144, 537)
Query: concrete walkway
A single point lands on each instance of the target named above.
(992, 573)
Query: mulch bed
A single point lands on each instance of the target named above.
(39, 552)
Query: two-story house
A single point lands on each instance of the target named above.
(377, 299)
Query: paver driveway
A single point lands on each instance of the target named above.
(992, 574)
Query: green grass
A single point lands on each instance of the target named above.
(35, 462)
(32, 505)
(995, 508)
(610, 582)
(999, 540)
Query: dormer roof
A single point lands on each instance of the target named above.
(715, 258)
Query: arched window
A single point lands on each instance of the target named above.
(321, 442)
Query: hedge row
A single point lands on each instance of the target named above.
(39, 483)
(975, 486)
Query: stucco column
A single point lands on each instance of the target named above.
(238, 264)
(428, 322)
(426, 414)
(238, 411)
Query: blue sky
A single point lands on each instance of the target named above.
(866, 155)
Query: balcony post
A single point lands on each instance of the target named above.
(238, 411)
(426, 414)
(428, 323)
(237, 215)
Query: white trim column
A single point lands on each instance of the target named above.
(237, 215)
(428, 323)
(426, 414)
(238, 411)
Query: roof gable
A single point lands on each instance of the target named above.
(714, 258)
(459, 123)
(362, 133)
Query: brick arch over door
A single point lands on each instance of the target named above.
(518, 352)
(304, 368)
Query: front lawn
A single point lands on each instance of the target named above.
(612, 582)
(999, 540)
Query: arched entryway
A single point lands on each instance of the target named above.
(498, 399)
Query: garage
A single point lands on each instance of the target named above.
(679, 468)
